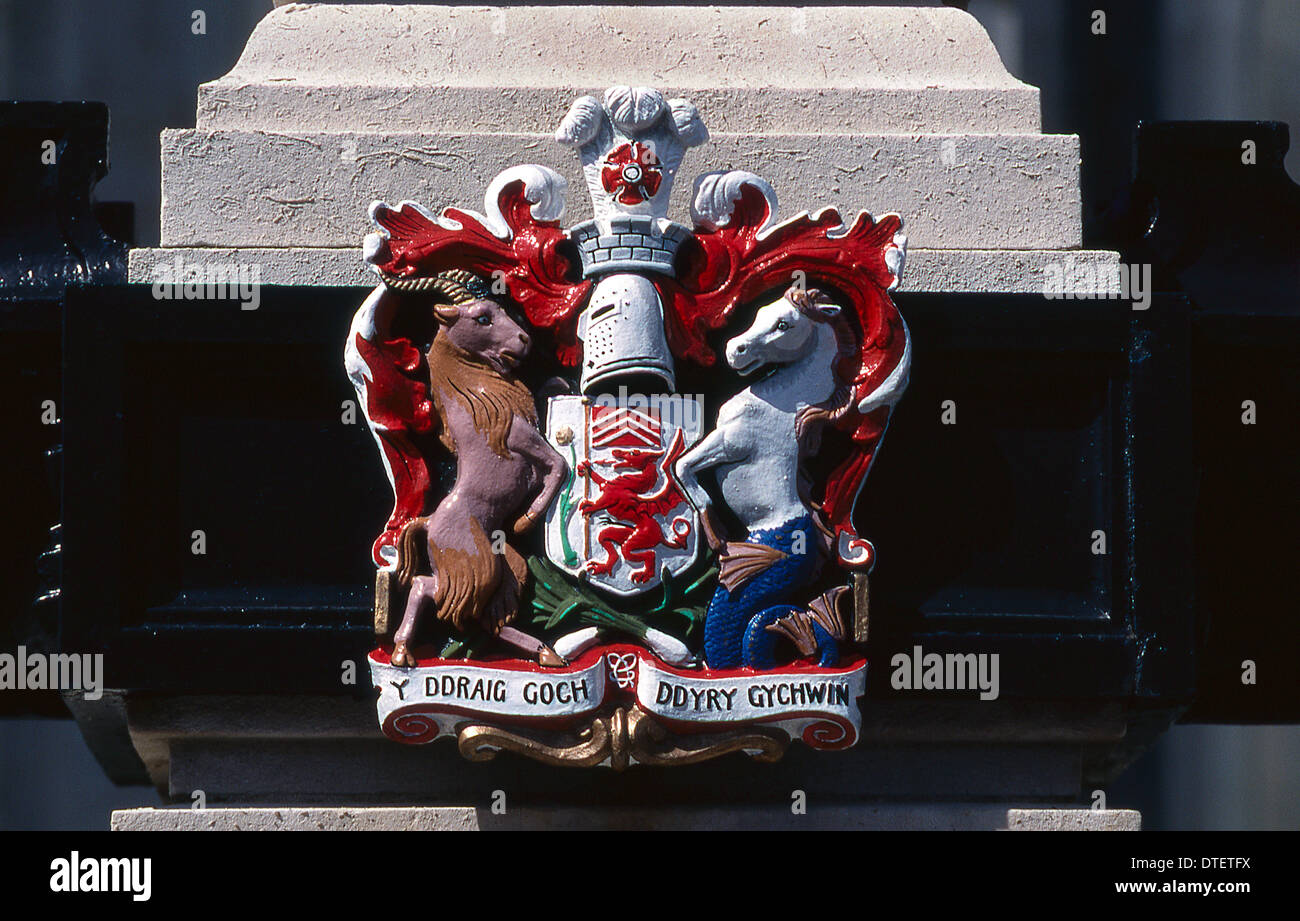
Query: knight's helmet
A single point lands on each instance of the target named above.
(631, 145)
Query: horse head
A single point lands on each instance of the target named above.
(483, 329)
(784, 331)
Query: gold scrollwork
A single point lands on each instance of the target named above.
(623, 736)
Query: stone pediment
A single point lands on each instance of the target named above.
(882, 109)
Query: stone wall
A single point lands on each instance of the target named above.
(883, 109)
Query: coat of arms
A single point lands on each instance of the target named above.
(626, 455)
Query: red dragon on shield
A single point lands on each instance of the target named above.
(637, 495)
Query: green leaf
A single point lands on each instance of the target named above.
(562, 613)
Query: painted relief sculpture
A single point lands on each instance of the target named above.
(626, 456)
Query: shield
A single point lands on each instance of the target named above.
(622, 520)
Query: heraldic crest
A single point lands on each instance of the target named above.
(625, 455)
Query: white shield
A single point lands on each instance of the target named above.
(622, 518)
